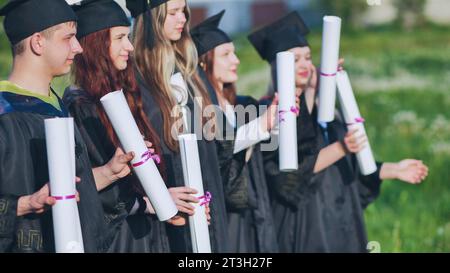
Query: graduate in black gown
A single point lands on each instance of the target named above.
(319, 208)
(43, 48)
(250, 222)
(103, 68)
(162, 47)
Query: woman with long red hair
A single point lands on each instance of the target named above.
(105, 67)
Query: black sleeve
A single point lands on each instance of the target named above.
(232, 169)
(8, 217)
(290, 188)
(18, 160)
(369, 186)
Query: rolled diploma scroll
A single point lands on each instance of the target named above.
(73, 2)
(287, 117)
(118, 111)
(354, 120)
(180, 93)
(72, 150)
(61, 158)
(193, 178)
(329, 64)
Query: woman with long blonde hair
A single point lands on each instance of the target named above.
(163, 46)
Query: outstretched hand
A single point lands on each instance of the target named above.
(411, 171)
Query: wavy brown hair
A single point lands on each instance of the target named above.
(156, 66)
(95, 73)
(229, 89)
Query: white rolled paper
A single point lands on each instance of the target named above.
(329, 65)
(72, 157)
(73, 2)
(193, 178)
(287, 118)
(354, 120)
(61, 165)
(118, 111)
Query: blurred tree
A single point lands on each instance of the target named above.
(348, 10)
(410, 13)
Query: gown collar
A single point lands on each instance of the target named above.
(16, 99)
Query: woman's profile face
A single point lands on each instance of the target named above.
(120, 47)
(303, 65)
(175, 19)
(225, 63)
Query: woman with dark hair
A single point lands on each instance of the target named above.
(164, 47)
(320, 207)
(251, 227)
(105, 66)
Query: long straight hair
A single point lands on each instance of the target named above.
(95, 73)
(157, 65)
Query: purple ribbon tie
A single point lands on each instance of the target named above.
(206, 198)
(295, 110)
(327, 74)
(146, 156)
(357, 120)
(64, 197)
(340, 68)
(281, 113)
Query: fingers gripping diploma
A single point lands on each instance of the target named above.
(183, 197)
(119, 165)
(39, 201)
(355, 141)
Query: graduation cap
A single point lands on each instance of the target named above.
(23, 18)
(89, 12)
(155, 3)
(138, 7)
(207, 34)
(285, 33)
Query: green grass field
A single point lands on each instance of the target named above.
(401, 80)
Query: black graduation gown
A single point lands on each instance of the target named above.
(296, 208)
(179, 237)
(239, 198)
(250, 222)
(258, 217)
(24, 170)
(236, 182)
(133, 233)
(328, 216)
(344, 193)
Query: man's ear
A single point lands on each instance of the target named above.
(37, 43)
